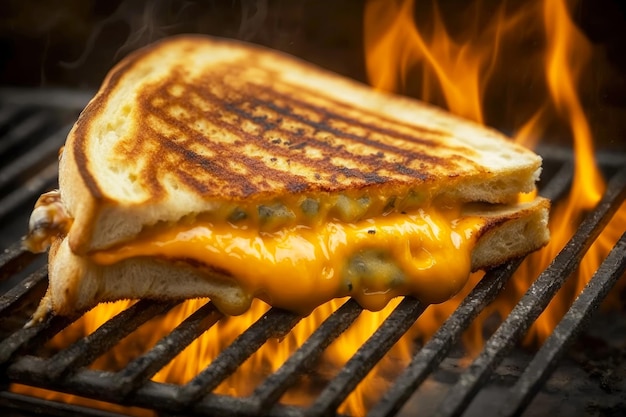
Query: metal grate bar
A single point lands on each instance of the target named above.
(389, 332)
(87, 349)
(31, 337)
(559, 154)
(8, 114)
(39, 406)
(274, 323)
(51, 98)
(31, 370)
(560, 183)
(306, 356)
(36, 155)
(534, 301)
(144, 367)
(33, 125)
(545, 361)
(11, 299)
(28, 193)
(14, 259)
(95, 384)
(435, 350)
(222, 405)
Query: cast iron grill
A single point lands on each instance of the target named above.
(33, 125)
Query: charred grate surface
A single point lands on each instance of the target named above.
(546, 359)
(535, 300)
(32, 128)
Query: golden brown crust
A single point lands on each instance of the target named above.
(231, 122)
(349, 152)
(279, 122)
(78, 197)
(77, 285)
(492, 222)
(510, 233)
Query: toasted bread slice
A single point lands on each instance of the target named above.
(78, 284)
(193, 124)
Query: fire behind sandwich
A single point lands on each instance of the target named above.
(206, 167)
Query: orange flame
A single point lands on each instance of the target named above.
(567, 54)
(457, 71)
(266, 360)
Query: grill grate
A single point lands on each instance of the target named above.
(30, 137)
(535, 300)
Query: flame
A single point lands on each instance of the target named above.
(81, 401)
(464, 70)
(461, 71)
(568, 52)
(203, 350)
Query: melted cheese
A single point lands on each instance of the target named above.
(47, 222)
(425, 254)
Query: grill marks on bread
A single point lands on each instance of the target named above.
(225, 137)
(197, 125)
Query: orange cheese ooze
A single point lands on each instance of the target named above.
(425, 254)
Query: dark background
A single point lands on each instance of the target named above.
(73, 43)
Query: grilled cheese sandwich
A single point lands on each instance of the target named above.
(210, 168)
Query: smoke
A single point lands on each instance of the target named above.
(74, 42)
(253, 17)
(274, 24)
(147, 21)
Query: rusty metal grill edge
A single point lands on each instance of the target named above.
(26, 117)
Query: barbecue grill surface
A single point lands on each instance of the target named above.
(502, 380)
